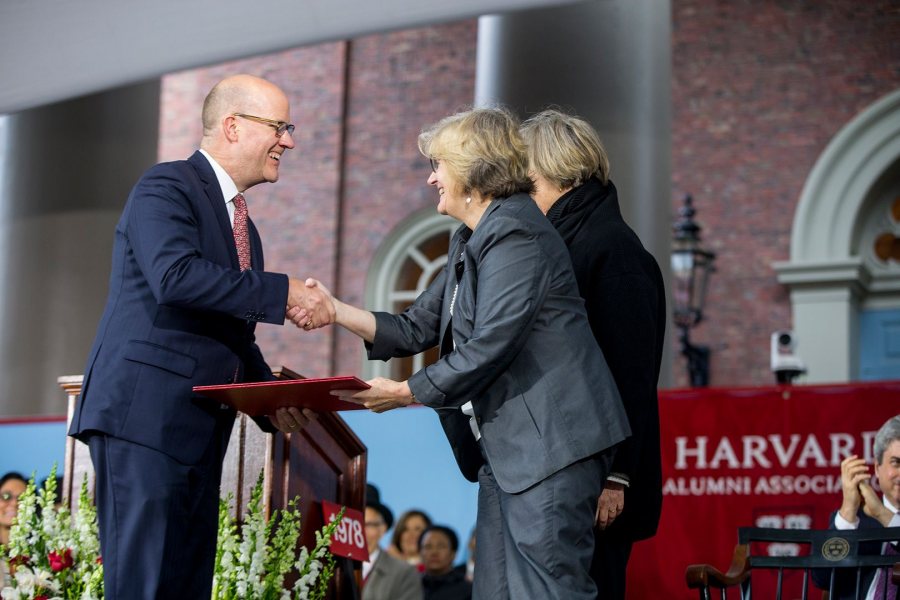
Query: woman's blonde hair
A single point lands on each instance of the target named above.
(483, 149)
(564, 149)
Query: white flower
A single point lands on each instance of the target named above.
(9, 593)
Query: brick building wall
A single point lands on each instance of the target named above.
(759, 89)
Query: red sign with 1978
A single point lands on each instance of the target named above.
(349, 538)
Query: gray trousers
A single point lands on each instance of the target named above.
(539, 543)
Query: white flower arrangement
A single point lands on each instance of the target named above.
(54, 555)
(252, 561)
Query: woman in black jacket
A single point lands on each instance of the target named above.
(625, 300)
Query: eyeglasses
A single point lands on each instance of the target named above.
(435, 163)
(7, 496)
(279, 126)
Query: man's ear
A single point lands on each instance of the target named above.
(230, 128)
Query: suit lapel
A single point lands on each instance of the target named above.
(217, 202)
(256, 252)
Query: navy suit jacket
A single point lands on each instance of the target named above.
(180, 313)
(542, 393)
(845, 579)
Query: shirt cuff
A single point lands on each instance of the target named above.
(842, 523)
(618, 478)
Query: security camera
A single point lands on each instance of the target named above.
(786, 365)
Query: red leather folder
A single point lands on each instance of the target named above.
(263, 398)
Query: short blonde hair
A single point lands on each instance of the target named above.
(564, 149)
(483, 149)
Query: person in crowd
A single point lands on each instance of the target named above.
(186, 290)
(470, 558)
(625, 301)
(12, 485)
(521, 387)
(405, 539)
(861, 508)
(384, 576)
(441, 580)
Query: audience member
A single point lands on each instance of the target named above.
(862, 509)
(441, 580)
(470, 559)
(11, 487)
(385, 577)
(405, 540)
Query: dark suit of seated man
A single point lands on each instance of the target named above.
(862, 509)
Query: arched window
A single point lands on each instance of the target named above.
(408, 260)
(843, 274)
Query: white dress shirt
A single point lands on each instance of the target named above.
(226, 183)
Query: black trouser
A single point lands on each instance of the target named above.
(608, 568)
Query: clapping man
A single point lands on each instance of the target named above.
(861, 508)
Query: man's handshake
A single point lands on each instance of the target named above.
(309, 304)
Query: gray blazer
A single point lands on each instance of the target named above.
(392, 579)
(524, 353)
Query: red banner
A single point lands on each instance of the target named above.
(765, 457)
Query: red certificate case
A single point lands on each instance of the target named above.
(263, 398)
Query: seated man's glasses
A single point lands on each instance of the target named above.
(7, 496)
(279, 126)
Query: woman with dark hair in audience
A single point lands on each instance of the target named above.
(405, 539)
(441, 580)
(11, 487)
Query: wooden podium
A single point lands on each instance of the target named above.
(324, 461)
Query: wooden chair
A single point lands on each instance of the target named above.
(803, 552)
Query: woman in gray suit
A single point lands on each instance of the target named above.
(521, 387)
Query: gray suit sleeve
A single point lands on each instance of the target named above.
(409, 585)
(414, 330)
(513, 280)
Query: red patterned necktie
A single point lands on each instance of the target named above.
(241, 237)
(884, 577)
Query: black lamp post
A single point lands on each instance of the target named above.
(691, 267)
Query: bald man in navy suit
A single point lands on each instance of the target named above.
(182, 311)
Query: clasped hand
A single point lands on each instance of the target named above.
(310, 304)
(858, 493)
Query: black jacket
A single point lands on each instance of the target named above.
(626, 305)
(452, 586)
